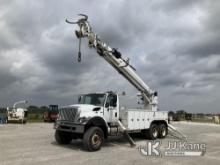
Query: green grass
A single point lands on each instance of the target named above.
(3, 114)
(35, 120)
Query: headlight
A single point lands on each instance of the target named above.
(82, 119)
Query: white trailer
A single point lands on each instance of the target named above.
(98, 115)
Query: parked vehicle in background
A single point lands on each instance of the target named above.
(3, 119)
(51, 114)
(17, 114)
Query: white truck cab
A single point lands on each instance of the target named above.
(104, 105)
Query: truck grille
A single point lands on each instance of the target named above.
(69, 114)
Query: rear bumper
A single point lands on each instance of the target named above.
(69, 126)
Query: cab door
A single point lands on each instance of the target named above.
(111, 110)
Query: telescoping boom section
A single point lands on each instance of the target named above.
(115, 59)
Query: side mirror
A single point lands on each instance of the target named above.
(107, 105)
(79, 99)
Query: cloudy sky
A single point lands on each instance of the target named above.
(173, 44)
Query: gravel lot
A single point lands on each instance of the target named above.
(34, 143)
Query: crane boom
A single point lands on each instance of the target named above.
(115, 59)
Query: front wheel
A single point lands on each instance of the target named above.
(93, 139)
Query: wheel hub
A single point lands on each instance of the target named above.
(155, 132)
(164, 132)
(96, 140)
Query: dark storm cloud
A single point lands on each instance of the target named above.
(176, 5)
(6, 80)
(206, 42)
(173, 45)
(205, 48)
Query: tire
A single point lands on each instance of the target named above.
(93, 139)
(63, 137)
(152, 133)
(162, 131)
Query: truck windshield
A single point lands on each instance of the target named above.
(93, 99)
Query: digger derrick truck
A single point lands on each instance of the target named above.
(98, 115)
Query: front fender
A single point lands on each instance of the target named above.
(97, 122)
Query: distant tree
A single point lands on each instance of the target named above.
(33, 109)
(188, 116)
(181, 112)
(2, 110)
(171, 113)
(44, 109)
(181, 115)
(37, 110)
